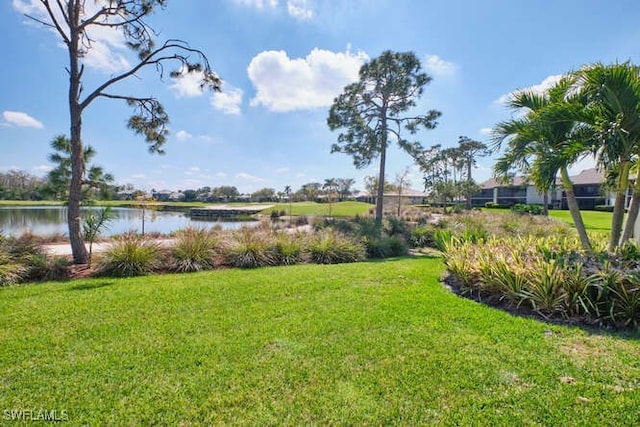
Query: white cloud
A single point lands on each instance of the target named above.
(282, 170)
(30, 7)
(17, 118)
(486, 131)
(105, 41)
(102, 57)
(259, 4)
(221, 175)
(285, 84)
(183, 136)
(247, 177)
(193, 170)
(229, 100)
(43, 168)
(540, 88)
(439, 67)
(188, 84)
(138, 176)
(299, 9)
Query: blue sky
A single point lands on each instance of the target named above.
(283, 62)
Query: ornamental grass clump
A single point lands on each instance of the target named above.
(289, 249)
(11, 272)
(329, 247)
(194, 250)
(250, 248)
(17, 255)
(130, 255)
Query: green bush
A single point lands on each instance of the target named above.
(194, 250)
(603, 208)
(329, 247)
(385, 246)
(494, 205)
(422, 236)
(129, 255)
(521, 208)
(43, 267)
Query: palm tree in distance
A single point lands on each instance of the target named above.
(287, 192)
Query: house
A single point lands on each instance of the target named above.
(408, 196)
(587, 186)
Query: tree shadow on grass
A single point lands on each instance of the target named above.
(91, 285)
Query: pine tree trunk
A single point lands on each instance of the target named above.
(383, 160)
(575, 210)
(78, 249)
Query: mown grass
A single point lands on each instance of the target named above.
(593, 220)
(30, 203)
(338, 209)
(367, 343)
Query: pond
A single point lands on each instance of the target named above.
(50, 220)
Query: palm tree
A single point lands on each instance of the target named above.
(287, 192)
(543, 142)
(330, 186)
(94, 176)
(611, 94)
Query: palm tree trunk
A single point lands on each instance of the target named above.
(632, 215)
(572, 203)
(545, 201)
(618, 206)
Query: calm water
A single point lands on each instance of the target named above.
(47, 220)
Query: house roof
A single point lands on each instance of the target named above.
(407, 192)
(585, 177)
(516, 181)
(588, 176)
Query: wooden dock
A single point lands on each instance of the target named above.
(227, 212)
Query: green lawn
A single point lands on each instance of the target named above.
(322, 209)
(348, 208)
(368, 343)
(593, 220)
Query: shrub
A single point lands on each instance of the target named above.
(395, 226)
(494, 205)
(301, 220)
(521, 208)
(44, 267)
(275, 215)
(422, 236)
(329, 247)
(129, 255)
(603, 208)
(250, 249)
(385, 246)
(194, 250)
(368, 227)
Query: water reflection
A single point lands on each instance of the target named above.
(48, 220)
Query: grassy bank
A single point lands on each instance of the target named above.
(593, 220)
(372, 343)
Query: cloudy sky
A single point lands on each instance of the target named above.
(283, 62)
